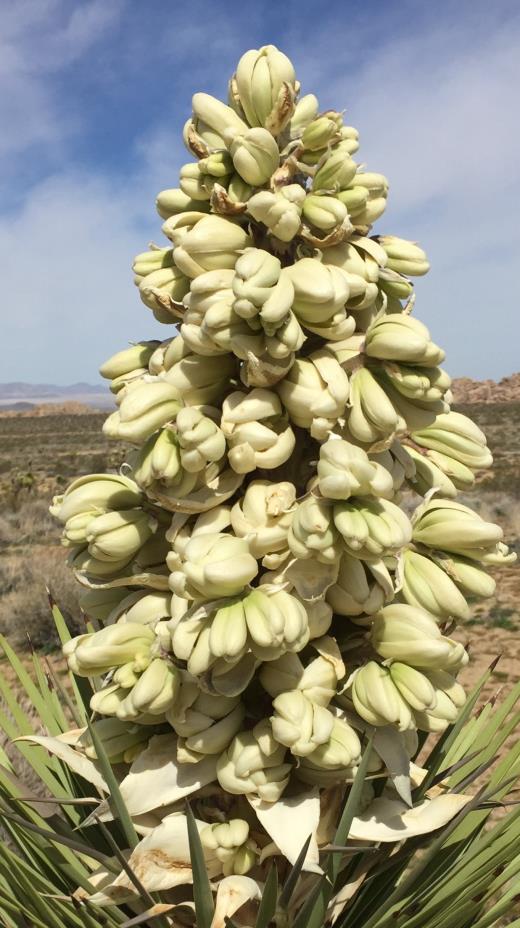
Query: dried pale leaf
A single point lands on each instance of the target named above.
(72, 737)
(161, 908)
(390, 746)
(155, 779)
(391, 820)
(417, 774)
(99, 878)
(327, 647)
(73, 759)
(311, 579)
(331, 801)
(160, 861)
(233, 892)
(349, 889)
(149, 580)
(289, 822)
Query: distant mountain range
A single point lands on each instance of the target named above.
(20, 395)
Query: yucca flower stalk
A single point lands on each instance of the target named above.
(270, 635)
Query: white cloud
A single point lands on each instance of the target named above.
(435, 108)
(40, 38)
(69, 300)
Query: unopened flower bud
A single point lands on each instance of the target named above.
(232, 846)
(258, 434)
(405, 633)
(200, 439)
(280, 212)
(265, 85)
(324, 212)
(377, 699)
(254, 765)
(154, 693)
(109, 647)
(300, 724)
(255, 156)
(403, 256)
(213, 243)
(214, 565)
(147, 407)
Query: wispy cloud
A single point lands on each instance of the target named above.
(431, 89)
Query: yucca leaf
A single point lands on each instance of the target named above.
(269, 900)
(293, 876)
(327, 885)
(116, 801)
(202, 895)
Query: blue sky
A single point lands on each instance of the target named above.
(93, 96)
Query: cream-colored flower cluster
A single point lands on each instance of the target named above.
(258, 587)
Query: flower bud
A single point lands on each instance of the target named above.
(280, 212)
(405, 633)
(218, 164)
(108, 699)
(450, 526)
(427, 586)
(414, 686)
(161, 289)
(362, 587)
(261, 290)
(454, 437)
(373, 527)
(469, 576)
(207, 733)
(174, 201)
(191, 182)
(322, 131)
(299, 724)
(263, 517)
(142, 607)
(144, 409)
(402, 338)
(154, 693)
(315, 392)
(158, 459)
(213, 565)
(319, 290)
(221, 120)
(213, 243)
(257, 433)
(201, 381)
(449, 699)
(305, 111)
(255, 156)
(317, 681)
(200, 439)
(254, 765)
(312, 533)
(403, 256)
(128, 360)
(323, 212)
(330, 762)
(232, 846)
(377, 699)
(372, 417)
(336, 172)
(345, 470)
(115, 536)
(109, 647)
(96, 493)
(265, 85)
